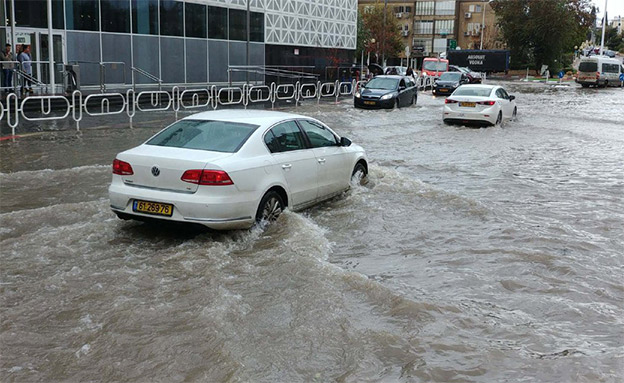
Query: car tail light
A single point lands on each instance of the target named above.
(597, 74)
(122, 168)
(449, 101)
(490, 103)
(207, 177)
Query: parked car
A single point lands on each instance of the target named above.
(473, 77)
(448, 82)
(479, 104)
(229, 169)
(386, 92)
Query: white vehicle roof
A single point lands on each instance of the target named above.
(478, 86)
(245, 116)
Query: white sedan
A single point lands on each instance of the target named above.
(229, 169)
(478, 104)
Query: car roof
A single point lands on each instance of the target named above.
(245, 116)
(480, 86)
(395, 76)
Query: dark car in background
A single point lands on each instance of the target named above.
(448, 82)
(473, 77)
(386, 92)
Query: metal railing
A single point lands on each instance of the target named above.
(210, 97)
(146, 74)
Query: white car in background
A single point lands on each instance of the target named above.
(479, 104)
(229, 169)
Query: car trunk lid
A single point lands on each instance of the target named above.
(159, 167)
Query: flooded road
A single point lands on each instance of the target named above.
(473, 255)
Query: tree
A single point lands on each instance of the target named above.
(388, 41)
(539, 32)
(363, 36)
(613, 40)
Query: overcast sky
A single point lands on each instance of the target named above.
(614, 8)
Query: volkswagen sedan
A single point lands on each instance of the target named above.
(479, 104)
(229, 169)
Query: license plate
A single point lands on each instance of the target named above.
(468, 104)
(369, 102)
(443, 90)
(155, 208)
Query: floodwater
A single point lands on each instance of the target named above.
(473, 255)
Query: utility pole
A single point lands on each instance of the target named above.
(604, 23)
(248, 38)
(50, 46)
(383, 41)
(483, 23)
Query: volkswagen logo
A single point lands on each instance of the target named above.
(155, 171)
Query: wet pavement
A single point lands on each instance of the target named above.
(473, 255)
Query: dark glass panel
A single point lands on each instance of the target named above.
(115, 15)
(238, 25)
(145, 17)
(256, 20)
(171, 21)
(58, 17)
(217, 23)
(82, 15)
(195, 15)
(31, 13)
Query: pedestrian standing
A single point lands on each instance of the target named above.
(26, 60)
(7, 68)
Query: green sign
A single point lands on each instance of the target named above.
(452, 44)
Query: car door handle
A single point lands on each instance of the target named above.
(286, 166)
(321, 160)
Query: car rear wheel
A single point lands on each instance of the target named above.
(499, 119)
(270, 208)
(359, 175)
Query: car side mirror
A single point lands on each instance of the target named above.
(344, 141)
(511, 98)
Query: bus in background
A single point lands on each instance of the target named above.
(434, 67)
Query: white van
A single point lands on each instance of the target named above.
(599, 71)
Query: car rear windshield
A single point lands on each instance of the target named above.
(450, 76)
(216, 136)
(383, 83)
(588, 66)
(438, 66)
(467, 91)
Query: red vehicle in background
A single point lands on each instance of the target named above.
(434, 67)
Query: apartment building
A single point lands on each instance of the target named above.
(477, 29)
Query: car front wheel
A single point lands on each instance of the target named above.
(270, 208)
(359, 176)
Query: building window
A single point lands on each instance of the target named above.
(477, 8)
(257, 27)
(238, 25)
(423, 45)
(424, 8)
(444, 27)
(171, 20)
(217, 23)
(58, 16)
(115, 15)
(195, 15)
(145, 17)
(424, 27)
(82, 15)
(30, 13)
(445, 8)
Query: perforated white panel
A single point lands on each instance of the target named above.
(312, 23)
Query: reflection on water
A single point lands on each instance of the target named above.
(472, 255)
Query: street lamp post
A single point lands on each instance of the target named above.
(483, 23)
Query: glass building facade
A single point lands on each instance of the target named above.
(177, 41)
